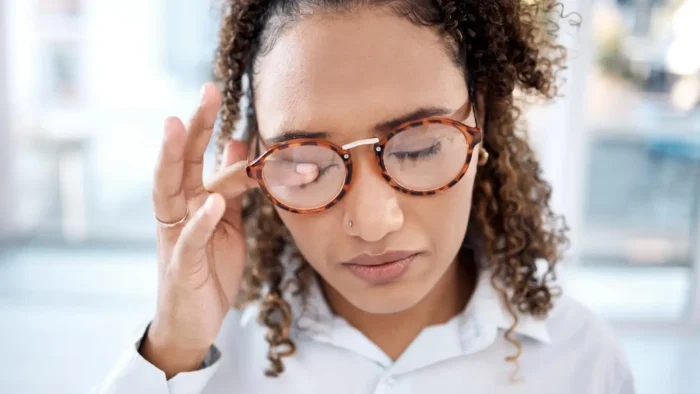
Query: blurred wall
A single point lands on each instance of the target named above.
(6, 189)
(557, 130)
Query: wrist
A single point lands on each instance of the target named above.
(170, 355)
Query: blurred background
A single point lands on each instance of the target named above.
(85, 86)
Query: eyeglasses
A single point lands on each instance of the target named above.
(418, 158)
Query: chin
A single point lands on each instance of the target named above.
(390, 299)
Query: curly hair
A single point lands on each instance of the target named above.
(503, 46)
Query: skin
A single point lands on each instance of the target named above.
(364, 68)
(344, 82)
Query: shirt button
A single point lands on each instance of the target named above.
(390, 380)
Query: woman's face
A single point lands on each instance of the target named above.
(344, 75)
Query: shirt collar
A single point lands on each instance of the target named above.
(488, 309)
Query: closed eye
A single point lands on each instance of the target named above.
(419, 154)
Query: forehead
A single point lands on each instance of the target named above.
(344, 73)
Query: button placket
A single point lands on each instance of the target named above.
(386, 383)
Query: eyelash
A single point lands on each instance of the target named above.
(433, 149)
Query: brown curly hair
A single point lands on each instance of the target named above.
(502, 45)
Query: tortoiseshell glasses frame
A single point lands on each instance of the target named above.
(472, 135)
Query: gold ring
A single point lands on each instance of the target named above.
(173, 224)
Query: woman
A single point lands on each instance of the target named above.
(382, 218)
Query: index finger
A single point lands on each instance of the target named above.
(280, 173)
(232, 181)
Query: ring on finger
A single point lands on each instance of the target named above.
(172, 224)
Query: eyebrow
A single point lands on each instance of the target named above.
(380, 128)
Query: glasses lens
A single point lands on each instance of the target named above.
(426, 157)
(304, 177)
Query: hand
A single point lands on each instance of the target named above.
(200, 261)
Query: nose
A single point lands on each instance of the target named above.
(371, 205)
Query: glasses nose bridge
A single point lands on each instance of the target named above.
(358, 143)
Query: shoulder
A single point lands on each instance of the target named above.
(571, 321)
(578, 332)
(239, 326)
(241, 341)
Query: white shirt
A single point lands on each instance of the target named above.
(571, 351)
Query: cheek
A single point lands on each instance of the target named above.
(312, 233)
(460, 197)
(460, 200)
(444, 217)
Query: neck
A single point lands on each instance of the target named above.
(393, 333)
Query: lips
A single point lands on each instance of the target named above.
(381, 269)
(384, 258)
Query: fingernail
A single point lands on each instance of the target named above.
(305, 168)
(167, 132)
(209, 204)
(169, 125)
(203, 94)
